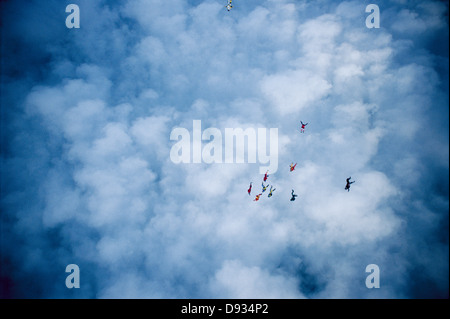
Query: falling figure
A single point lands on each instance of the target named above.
(264, 187)
(293, 196)
(250, 189)
(265, 176)
(302, 129)
(347, 187)
(293, 166)
(257, 197)
(271, 191)
(229, 5)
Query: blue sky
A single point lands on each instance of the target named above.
(86, 176)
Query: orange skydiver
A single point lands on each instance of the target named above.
(293, 166)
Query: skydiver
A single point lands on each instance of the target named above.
(293, 196)
(257, 197)
(293, 166)
(271, 191)
(229, 6)
(264, 187)
(347, 187)
(250, 189)
(265, 176)
(302, 129)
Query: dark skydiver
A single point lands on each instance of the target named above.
(293, 196)
(347, 187)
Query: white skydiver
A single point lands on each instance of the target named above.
(229, 6)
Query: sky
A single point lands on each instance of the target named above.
(87, 177)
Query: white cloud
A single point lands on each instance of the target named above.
(235, 280)
(165, 230)
(292, 91)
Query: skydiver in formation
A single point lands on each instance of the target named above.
(293, 196)
(264, 187)
(293, 166)
(347, 187)
(250, 189)
(257, 197)
(265, 176)
(271, 191)
(302, 129)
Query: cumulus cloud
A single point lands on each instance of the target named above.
(236, 281)
(87, 176)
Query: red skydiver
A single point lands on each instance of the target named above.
(265, 176)
(302, 129)
(257, 198)
(293, 166)
(249, 189)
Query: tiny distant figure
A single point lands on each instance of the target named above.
(271, 191)
(229, 6)
(250, 189)
(292, 166)
(302, 128)
(347, 187)
(266, 176)
(264, 187)
(257, 197)
(293, 196)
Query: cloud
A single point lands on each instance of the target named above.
(292, 91)
(88, 177)
(234, 280)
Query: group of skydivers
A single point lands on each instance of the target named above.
(229, 6)
(292, 168)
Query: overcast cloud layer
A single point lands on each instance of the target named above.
(86, 176)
